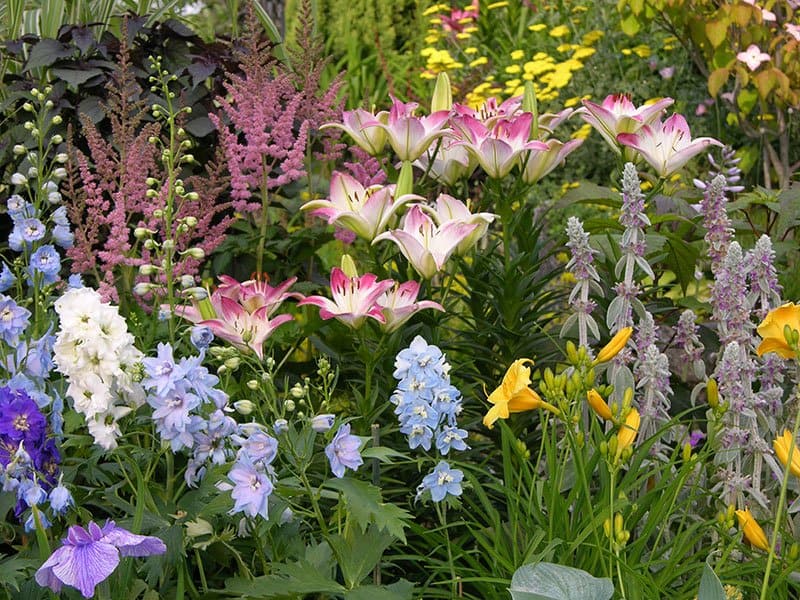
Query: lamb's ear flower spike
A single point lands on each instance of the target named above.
(666, 146)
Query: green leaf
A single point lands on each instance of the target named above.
(716, 80)
(548, 581)
(383, 454)
(15, 570)
(402, 590)
(710, 585)
(366, 506)
(76, 77)
(681, 259)
(630, 25)
(716, 31)
(289, 579)
(359, 552)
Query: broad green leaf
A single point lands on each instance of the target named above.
(716, 31)
(402, 590)
(359, 552)
(716, 80)
(15, 570)
(681, 259)
(630, 25)
(366, 506)
(289, 579)
(548, 581)
(710, 585)
(76, 77)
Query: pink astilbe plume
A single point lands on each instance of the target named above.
(106, 192)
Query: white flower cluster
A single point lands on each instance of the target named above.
(95, 352)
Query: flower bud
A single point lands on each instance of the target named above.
(405, 180)
(252, 384)
(142, 288)
(196, 253)
(62, 157)
(233, 363)
(712, 393)
(56, 120)
(442, 93)
(348, 266)
(19, 149)
(147, 270)
(322, 423)
(297, 391)
(280, 426)
(191, 221)
(59, 173)
(27, 107)
(19, 179)
(289, 405)
(244, 407)
(599, 405)
(57, 138)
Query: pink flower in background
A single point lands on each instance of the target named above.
(354, 298)
(767, 15)
(753, 57)
(617, 114)
(667, 72)
(499, 147)
(458, 19)
(400, 303)
(490, 111)
(666, 146)
(794, 30)
(537, 163)
(370, 138)
(408, 135)
(426, 246)
(451, 210)
(364, 211)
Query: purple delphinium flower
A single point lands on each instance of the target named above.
(343, 451)
(32, 229)
(441, 482)
(258, 446)
(13, 320)
(322, 423)
(20, 419)
(251, 489)
(201, 337)
(7, 278)
(162, 372)
(88, 556)
(46, 261)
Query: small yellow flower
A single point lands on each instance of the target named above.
(782, 446)
(599, 406)
(481, 60)
(517, 54)
(559, 31)
(612, 348)
(471, 50)
(494, 5)
(642, 51)
(514, 395)
(537, 27)
(628, 430)
(591, 37)
(753, 533)
(772, 328)
(513, 69)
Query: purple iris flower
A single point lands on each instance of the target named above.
(343, 452)
(88, 556)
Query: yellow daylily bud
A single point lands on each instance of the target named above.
(348, 266)
(598, 405)
(753, 533)
(783, 445)
(628, 430)
(712, 393)
(773, 331)
(613, 347)
(442, 93)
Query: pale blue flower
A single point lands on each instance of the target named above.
(443, 481)
(343, 451)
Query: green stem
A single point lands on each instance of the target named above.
(781, 500)
(442, 512)
(314, 503)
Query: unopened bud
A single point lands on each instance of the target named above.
(289, 405)
(252, 384)
(243, 407)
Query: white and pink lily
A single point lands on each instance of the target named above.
(490, 111)
(408, 135)
(538, 163)
(400, 303)
(447, 162)
(426, 246)
(666, 146)
(617, 114)
(364, 211)
(354, 298)
(370, 138)
(240, 313)
(452, 210)
(497, 148)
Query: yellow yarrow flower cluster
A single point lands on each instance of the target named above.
(438, 61)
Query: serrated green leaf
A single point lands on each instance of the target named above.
(402, 590)
(359, 552)
(15, 570)
(548, 581)
(289, 579)
(366, 506)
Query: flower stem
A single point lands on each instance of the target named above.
(782, 499)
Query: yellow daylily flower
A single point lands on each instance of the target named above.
(599, 406)
(513, 395)
(628, 430)
(782, 445)
(612, 348)
(753, 533)
(772, 327)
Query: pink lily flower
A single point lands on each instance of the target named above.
(490, 111)
(244, 329)
(426, 246)
(451, 210)
(549, 121)
(538, 163)
(617, 114)
(240, 312)
(356, 124)
(448, 163)
(364, 211)
(666, 146)
(498, 148)
(354, 299)
(408, 135)
(400, 303)
(753, 57)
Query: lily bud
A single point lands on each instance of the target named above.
(348, 266)
(628, 430)
(405, 181)
(530, 104)
(599, 406)
(613, 347)
(442, 93)
(712, 393)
